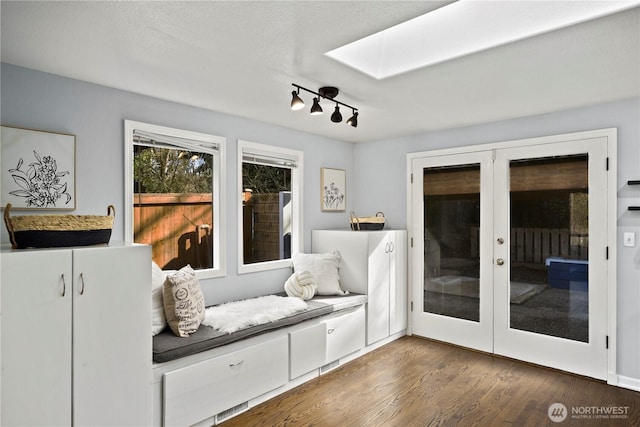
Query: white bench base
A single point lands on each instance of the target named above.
(210, 387)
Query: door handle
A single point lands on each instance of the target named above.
(500, 261)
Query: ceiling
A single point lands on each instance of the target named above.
(241, 58)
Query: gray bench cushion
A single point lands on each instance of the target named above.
(167, 346)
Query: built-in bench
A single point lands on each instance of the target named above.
(211, 376)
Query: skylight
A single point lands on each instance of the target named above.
(463, 28)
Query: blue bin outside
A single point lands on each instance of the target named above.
(572, 274)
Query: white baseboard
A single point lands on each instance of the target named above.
(628, 382)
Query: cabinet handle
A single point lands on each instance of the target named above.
(391, 247)
(82, 284)
(330, 331)
(233, 365)
(64, 285)
(386, 248)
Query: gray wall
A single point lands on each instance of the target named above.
(96, 114)
(381, 166)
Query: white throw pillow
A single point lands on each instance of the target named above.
(301, 284)
(183, 302)
(324, 268)
(158, 319)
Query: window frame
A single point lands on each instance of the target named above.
(297, 174)
(219, 188)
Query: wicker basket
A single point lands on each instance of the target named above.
(52, 231)
(367, 223)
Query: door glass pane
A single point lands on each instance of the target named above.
(549, 242)
(451, 241)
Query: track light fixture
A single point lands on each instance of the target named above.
(316, 109)
(326, 92)
(353, 120)
(296, 102)
(336, 117)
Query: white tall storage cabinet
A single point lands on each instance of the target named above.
(373, 263)
(76, 339)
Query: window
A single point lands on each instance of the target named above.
(269, 212)
(174, 198)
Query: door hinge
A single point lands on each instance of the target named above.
(412, 178)
(412, 242)
(607, 252)
(411, 305)
(607, 341)
(607, 163)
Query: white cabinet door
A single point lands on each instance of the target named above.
(379, 293)
(307, 349)
(345, 334)
(398, 281)
(112, 339)
(36, 338)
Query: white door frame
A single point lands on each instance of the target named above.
(611, 218)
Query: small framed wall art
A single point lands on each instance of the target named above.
(38, 169)
(333, 190)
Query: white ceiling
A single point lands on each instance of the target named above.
(241, 58)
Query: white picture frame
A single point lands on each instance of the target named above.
(333, 190)
(37, 169)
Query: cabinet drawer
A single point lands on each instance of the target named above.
(202, 390)
(345, 334)
(326, 341)
(308, 348)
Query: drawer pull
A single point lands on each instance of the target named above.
(330, 331)
(233, 365)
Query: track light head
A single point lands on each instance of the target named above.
(316, 109)
(296, 102)
(336, 117)
(353, 120)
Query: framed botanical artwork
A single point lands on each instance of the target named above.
(333, 190)
(37, 169)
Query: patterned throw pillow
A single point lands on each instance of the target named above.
(183, 302)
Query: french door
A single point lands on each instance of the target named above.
(513, 254)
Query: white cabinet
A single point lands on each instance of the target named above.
(196, 392)
(326, 341)
(36, 338)
(75, 340)
(373, 263)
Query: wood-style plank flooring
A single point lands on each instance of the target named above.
(418, 382)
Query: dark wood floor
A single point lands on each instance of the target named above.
(418, 382)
